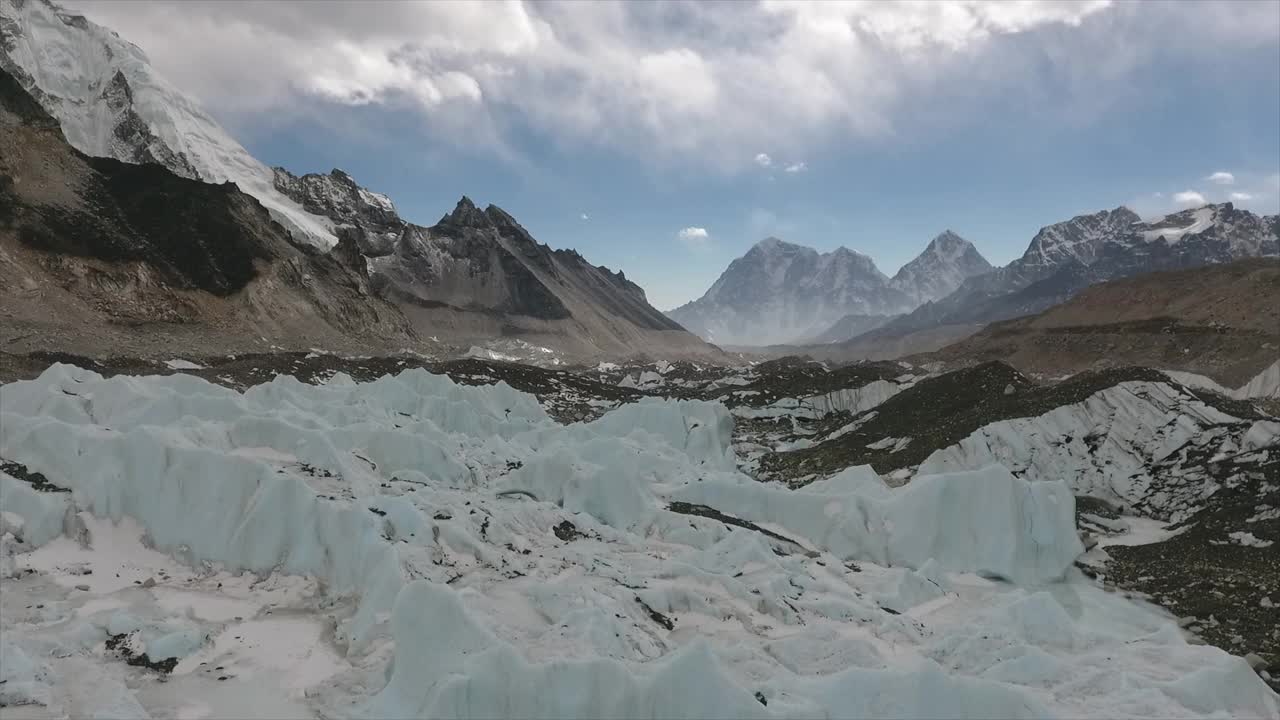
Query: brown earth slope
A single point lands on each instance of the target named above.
(103, 257)
(1222, 321)
(107, 258)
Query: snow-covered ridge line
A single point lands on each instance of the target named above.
(388, 491)
(110, 102)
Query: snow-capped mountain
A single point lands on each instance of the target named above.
(1220, 320)
(784, 293)
(337, 197)
(1076, 240)
(946, 263)
(110, 102)
(101, 255)
(779, 292)
(483, 261)
(1066, 257)
(476, 275)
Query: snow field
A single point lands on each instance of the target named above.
(411, 547)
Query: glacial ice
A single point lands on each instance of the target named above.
(472, 558)
(1110, 446)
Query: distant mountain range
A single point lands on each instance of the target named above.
(474, 276)
(779, 292)
(782, 294)
(1066, 257)
(1221, 321)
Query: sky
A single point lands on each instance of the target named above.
(666, 138)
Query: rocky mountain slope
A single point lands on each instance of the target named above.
(944, 265)
(110, 102)
(99, 255)
(478, 274)
(1221, 321)
(475, 276)
(1066, 257)
(947, 261)
(779, 292)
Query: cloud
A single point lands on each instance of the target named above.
(1241, 196)
(1222, 178)
(693, 235)
(669, 81)
(763, 160)
(586, 216)
(1189, 197)
(797, 167)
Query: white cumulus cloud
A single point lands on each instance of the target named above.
(797, 167)
(1241, 196)
(693, 235)
(1222, 178)
(586, 216)
(666, 81)
(1189, 197)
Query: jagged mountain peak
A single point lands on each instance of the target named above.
(1079, 238)
(465, 214)
(480, 275)
(1068, 256)
(1191, 215)
(782, 292)
(337, 197)
(946, 239)
(842, 251)
(503, 220)
(946, 262)
(776, 246)
(773, 245)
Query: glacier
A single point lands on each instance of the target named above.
(1127, 444)
(411, 547)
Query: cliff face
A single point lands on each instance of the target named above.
(111, 254)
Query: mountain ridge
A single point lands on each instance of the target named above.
(474, 276)
(1221, 320)
(108, 256)
(111, 103)
(780, 292)
(1065, 257)
(482, 262)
